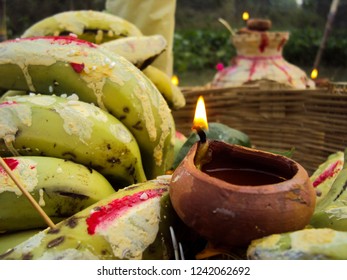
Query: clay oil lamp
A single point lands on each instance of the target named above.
(231, 195)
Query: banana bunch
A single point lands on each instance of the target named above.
(331, 181)
(81, 121)
(66, 65)
(66, 128)
(133, 223)
(118, 36)
(61, 188)
(326, 173)
(332, 211)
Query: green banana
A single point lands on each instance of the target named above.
(133, 223)
(61, 187)
(337, 194)
(65, 65)
(334, 217)
(93, 26)
(70, 129)
(171, 93)
(10, 240)
(332, 211)
(326, 173)
(139, 50)
(306, 244)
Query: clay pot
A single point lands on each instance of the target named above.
(241, 194)
(259, 62)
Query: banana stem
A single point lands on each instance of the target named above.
(27, 194)
(9, 146)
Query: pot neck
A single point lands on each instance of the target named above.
(260, 44)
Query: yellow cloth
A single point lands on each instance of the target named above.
(151, 17)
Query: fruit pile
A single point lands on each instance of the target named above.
(85, 121)
(86, 126)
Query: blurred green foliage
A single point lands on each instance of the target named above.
(199, 49)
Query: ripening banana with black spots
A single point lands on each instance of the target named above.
(133, 223)
(89, 25)
(67, 128)
(62, 188)
(66, 65)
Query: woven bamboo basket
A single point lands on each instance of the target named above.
(313, 122)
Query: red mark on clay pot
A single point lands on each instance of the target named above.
(252, 69)
(264, 42)
(281, 44)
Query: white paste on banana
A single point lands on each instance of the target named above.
(8, 123)
(26, 172)
(133, 231)
(43, 100)
(75, 115)
(121, 133)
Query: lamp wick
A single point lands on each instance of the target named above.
(201, 133)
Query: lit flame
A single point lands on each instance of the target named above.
(314, 73)
(175, 80)
(245, 16)
(200, 118)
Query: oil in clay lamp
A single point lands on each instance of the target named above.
(231, 195)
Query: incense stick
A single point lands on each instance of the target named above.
(27, 194)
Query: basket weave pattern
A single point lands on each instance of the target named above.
(312, 121)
